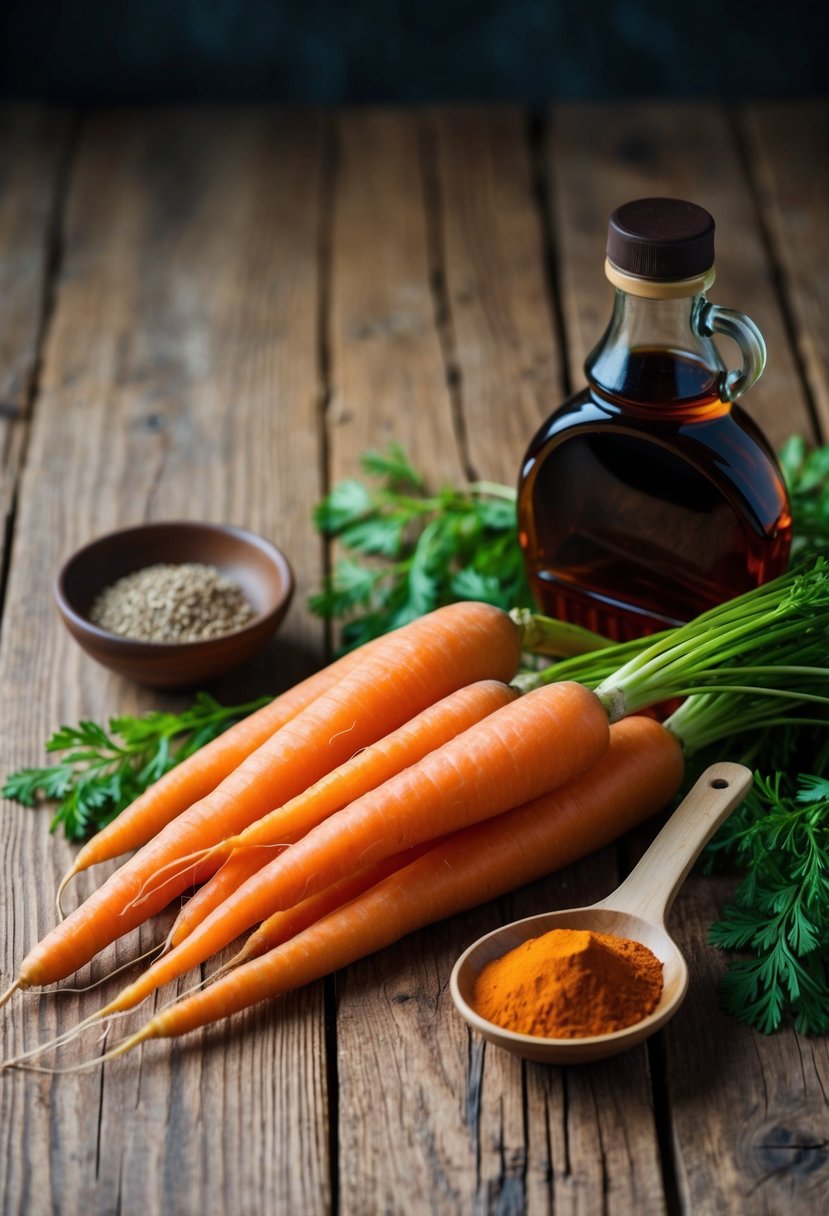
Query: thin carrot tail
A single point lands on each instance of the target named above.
(147, 1031)
(173, 870)
(60, 1040)
(9, 993)
(230, 965)
(64, 883)
(255, 945)
(157, 950)
(69, 1036)
(242, 864)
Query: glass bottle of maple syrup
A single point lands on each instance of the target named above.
(650, 496)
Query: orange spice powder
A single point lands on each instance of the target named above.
(570, 983)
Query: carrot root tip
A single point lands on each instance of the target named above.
(167, 873)
(9, 993)
(168, 943)
(59, 1041)
(148, 1031)
(64, 883)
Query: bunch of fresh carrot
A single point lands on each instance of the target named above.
(411, 780)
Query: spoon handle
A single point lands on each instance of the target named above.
(649, 889)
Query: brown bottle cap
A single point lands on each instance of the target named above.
(661, 238)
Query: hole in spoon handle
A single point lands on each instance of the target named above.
(650, 888)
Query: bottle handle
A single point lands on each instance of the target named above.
(714, 319)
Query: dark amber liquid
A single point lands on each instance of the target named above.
(640, 509)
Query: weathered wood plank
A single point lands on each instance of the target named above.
(606, 1163)
(586, 1148)
(34, 144)
(388, 378)
(432, 1112)
(749, 1112)
(180, 380)
(787, 144)
(602, 156)
(181, 376)
(499, 320)
(402, 1057)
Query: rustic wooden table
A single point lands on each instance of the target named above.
(210, 315)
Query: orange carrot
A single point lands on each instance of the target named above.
(256, 846)
(282, 926)
(522, 750)
(406, 671)
(637, 776)
(199, 774)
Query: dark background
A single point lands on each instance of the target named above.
(325, 51)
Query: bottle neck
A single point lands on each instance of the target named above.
(654, 353)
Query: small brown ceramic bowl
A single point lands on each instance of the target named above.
(260, 569)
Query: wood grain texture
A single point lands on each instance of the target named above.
(243, 303)
(388, 382)
(463, 1125)
(787, 151)
(749, 1111)
(34, 147)
(388, 379)
(180, 379)
(601, 157)
(498, 321)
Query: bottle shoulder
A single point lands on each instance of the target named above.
(726, 428)
(723, 449)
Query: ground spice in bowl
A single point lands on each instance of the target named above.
(570, 983)
(166, 602)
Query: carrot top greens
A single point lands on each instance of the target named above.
(768, 641)
(806, 471)
(433, 548)
(778, 919)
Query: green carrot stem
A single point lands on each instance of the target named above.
(589, 668)
(547, 636)
(708, 717)
(727, 644)
(783, 621)
(493, 489)
(752, 690)
(782, 624)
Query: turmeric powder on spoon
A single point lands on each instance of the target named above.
(570, 983)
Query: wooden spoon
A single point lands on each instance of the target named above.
(636, 909)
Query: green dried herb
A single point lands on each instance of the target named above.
(806, 471)
(102, 771)
(779, 917)
(414, 551)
